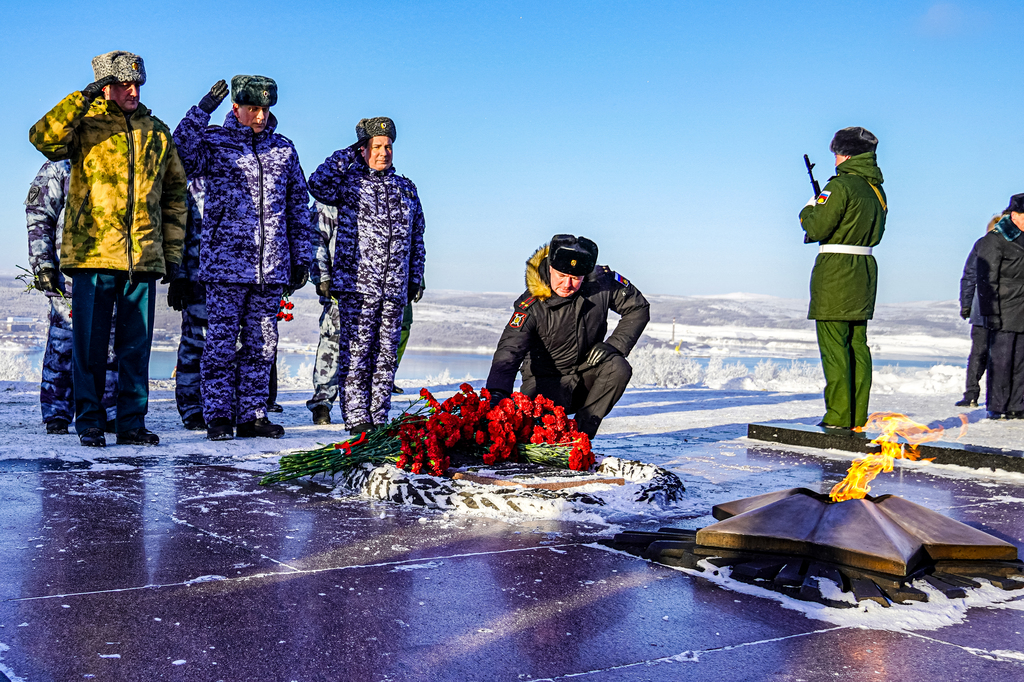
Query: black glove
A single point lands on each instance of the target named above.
(965, 313)
(214, 97)
(48, 281)
(600, 352)
(94, 90)
(497, 395)
(170, 273)
(415, 291)
(323, 288)
(300, 275)
(179, 294)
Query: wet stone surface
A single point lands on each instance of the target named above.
(173, 570)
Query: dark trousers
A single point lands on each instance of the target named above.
(977, 361)
(93, 298)
(591, 394)
(1005, 382)
(846, 361)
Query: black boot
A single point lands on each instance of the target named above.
(220, 429)
(260, 428)
(274, 407)
(57, 426)
(139, 436)
(362, 427)
(321, 415)
(967, 402)
(93, 438)
(194, 422)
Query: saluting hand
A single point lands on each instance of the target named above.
(95, 89)
(214, 97)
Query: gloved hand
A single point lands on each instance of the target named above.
(323, 288)
(94, 90)
(415, 291)
(170, 273)
(179, 294)
(497, 395)
(48, 281)
(214, 97)
(300, 275)
(965, 313)
(600, 352)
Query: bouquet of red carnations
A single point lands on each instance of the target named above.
(421, 438)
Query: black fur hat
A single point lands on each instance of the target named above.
(258, 91)
(1016, 204)
(576, 256)
(368, 128)
(853, 141)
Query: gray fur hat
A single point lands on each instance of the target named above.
(853, 141)
(258, 91)
(125, 67)
(372, 127)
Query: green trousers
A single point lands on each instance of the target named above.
(846, 361)
(406, 326)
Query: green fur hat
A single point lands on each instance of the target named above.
(258, 91)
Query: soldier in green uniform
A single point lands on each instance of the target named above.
(847, 219)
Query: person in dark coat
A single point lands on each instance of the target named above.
(557, 333)
(970, 310)
(1000, 281)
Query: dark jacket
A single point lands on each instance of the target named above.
(378, 240)
(850, 211)
(256, 223)
(550, 336)
(1000, 277)
(969, 288)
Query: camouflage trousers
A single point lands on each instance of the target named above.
(372, 339)
(246, 313)
(187, 391)
(57, 388)
(327, 368)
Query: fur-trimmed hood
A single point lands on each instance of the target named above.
(537, 281)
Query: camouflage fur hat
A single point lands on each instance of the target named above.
(125, 67)
(853, 141)
(372, 127)
(258, 91)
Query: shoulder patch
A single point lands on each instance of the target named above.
(33, 194)
(517, 321)
(823, 198)
(621, 280)
(527, 302)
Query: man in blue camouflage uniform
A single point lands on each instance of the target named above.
(377, 268)
(44, 209)
(257, 240)
(187, 295)
(331, 365)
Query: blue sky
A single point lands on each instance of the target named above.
(671, 133)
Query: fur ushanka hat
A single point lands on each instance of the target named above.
(1016, 204)
(576, 256)
(125, 67)
(257, 91)
(853, 141)
(372, 127)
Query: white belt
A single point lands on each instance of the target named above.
(843, 248)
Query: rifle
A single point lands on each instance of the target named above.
(814, 183)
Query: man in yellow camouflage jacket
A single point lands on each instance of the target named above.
(124, 229)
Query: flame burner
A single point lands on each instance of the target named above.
(874, 548)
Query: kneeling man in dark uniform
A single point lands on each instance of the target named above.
(557, 333)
